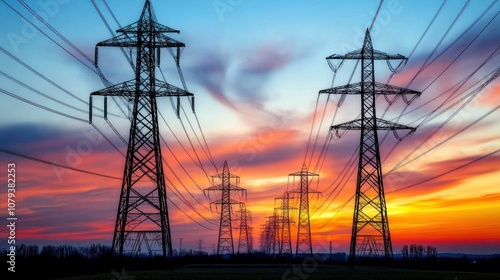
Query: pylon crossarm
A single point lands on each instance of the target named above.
(388, 125)
(221, 201)
(122, 40)
(223, 175)
(157, 27)
(379, 89)
(221, 187)
(385, 89)
(166, 89)
(384, 56)
(352, 125)
(381, 124)
(358, 54)
(346, 56)
(310, 191)
(130, 40)
(354, 88)
(303, 173)
(122, 89)
(163, 41)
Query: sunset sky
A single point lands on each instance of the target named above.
(256, 68)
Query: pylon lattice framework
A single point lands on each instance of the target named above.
(244, 242)
(304, 240)
(142, 216)
(370, 228)
(225, 242)
(285, 248)
(266, 236)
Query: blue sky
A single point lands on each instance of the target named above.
(255, 68)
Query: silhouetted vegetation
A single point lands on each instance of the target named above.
(419, 252)
(51, 262)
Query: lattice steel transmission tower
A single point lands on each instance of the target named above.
(276, 228)
(142, 218)
(269, 235)
(370, 228)
(286, 221)
(225, 244)
(263, 238)
(250, 239)
(304, 241)
(244, 242)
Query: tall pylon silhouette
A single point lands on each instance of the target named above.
(370, 227)
(142, 218)
(225, 243)
(304, 240)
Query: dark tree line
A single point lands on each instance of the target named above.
(92, 251)
(54, 261)
(418, 252)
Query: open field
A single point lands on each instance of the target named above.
(287, 272)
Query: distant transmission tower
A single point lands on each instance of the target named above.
(266, 236)
(276, 228)
(200, 245)
(304, 241)
(370, 227)
(225, 245)
(244, 242)
(250, 238)
(142, 218)
(285, 236)
(269, 231)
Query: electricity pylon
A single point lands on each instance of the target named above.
(142, 217)
(370, 228)
(244, 243)
(285, 236)
(225, 244)
(268, 235)
(276, 227)
(250, 239)
(264, 238)
(304, 240)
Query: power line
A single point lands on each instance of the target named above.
(40, 93)
(425, 64)
(56, 164)
(45, 78)
(447, 172)
(479, 89)
(45, 34)
(208, 154)
(442, 72)
(41, 106)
